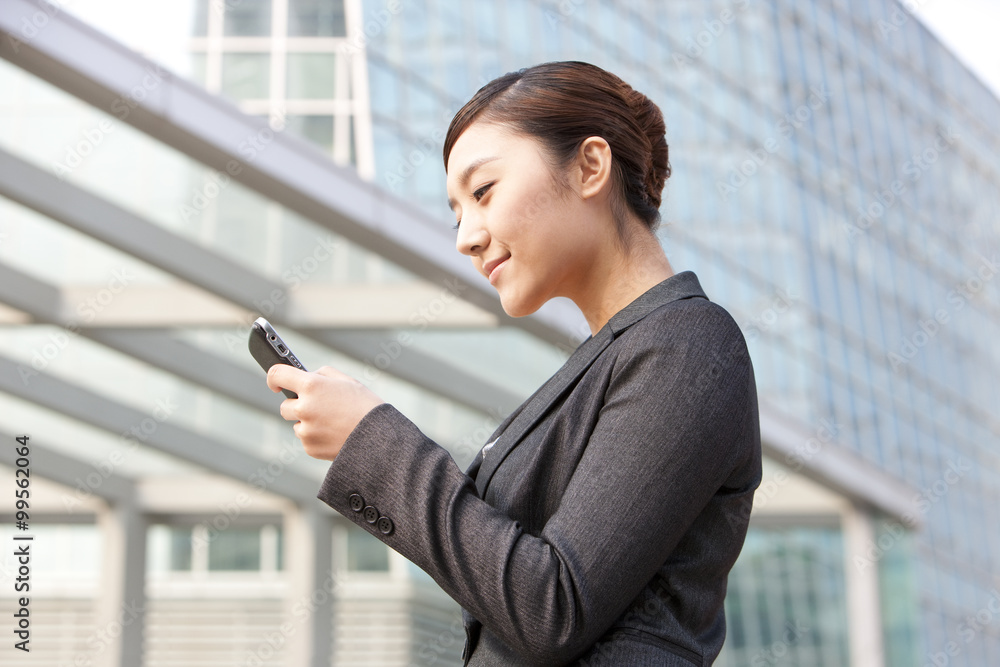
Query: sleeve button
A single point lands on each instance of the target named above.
(357, 502)
(371, 514)
(385, 525)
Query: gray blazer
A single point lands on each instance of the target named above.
(600, 526)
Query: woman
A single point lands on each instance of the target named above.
(599, 524)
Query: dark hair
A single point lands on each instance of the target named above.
(563, 103)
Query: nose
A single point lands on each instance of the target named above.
(472, 237)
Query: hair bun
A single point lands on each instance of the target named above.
(561, 104)
(650, 120)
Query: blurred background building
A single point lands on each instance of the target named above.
(170, 171)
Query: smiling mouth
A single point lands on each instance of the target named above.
(495, 271)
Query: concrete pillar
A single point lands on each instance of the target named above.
(864, 611)
(121, 603)
(308, 549)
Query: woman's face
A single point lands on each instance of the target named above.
(527, 234)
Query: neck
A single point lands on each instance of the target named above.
(620, 277)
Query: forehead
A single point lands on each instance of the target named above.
(480, 142)
(479, 137)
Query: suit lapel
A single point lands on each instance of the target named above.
(682, 285)
(537, 406)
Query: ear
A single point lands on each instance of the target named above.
(594, 163)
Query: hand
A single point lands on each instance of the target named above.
(329, 406)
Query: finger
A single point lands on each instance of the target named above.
(289, 409)
(283, 376)
(330, 371)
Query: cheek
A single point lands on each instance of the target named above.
(528, 197)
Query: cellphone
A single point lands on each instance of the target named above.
(268, 349)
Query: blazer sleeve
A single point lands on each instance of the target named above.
(679, 416)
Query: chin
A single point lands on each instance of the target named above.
(520, 307)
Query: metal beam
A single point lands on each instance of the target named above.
(157, 347)
(819, 457)
(47, 194)
(44, 303)
(423, 370)
(29, 294)
(123, 230)
(51, 464)
(86, 63)
(83, 405)
(328, 306)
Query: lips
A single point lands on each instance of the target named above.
(491, 268)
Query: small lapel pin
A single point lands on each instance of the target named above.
(488, 446)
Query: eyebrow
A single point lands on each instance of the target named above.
(467, 174)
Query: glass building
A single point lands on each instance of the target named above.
(168, 173)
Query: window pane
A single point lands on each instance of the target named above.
(199, 23)
(317, 129)
(246, 75)
(235, 549)
(180, 548)
(786, 600)
(365, 553)
(199, 65)
(316, 18)
(311, 76)
(248, 18)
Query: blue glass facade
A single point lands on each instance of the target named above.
(837, 188)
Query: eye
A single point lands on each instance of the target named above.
(477, 195)
(481, 192)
